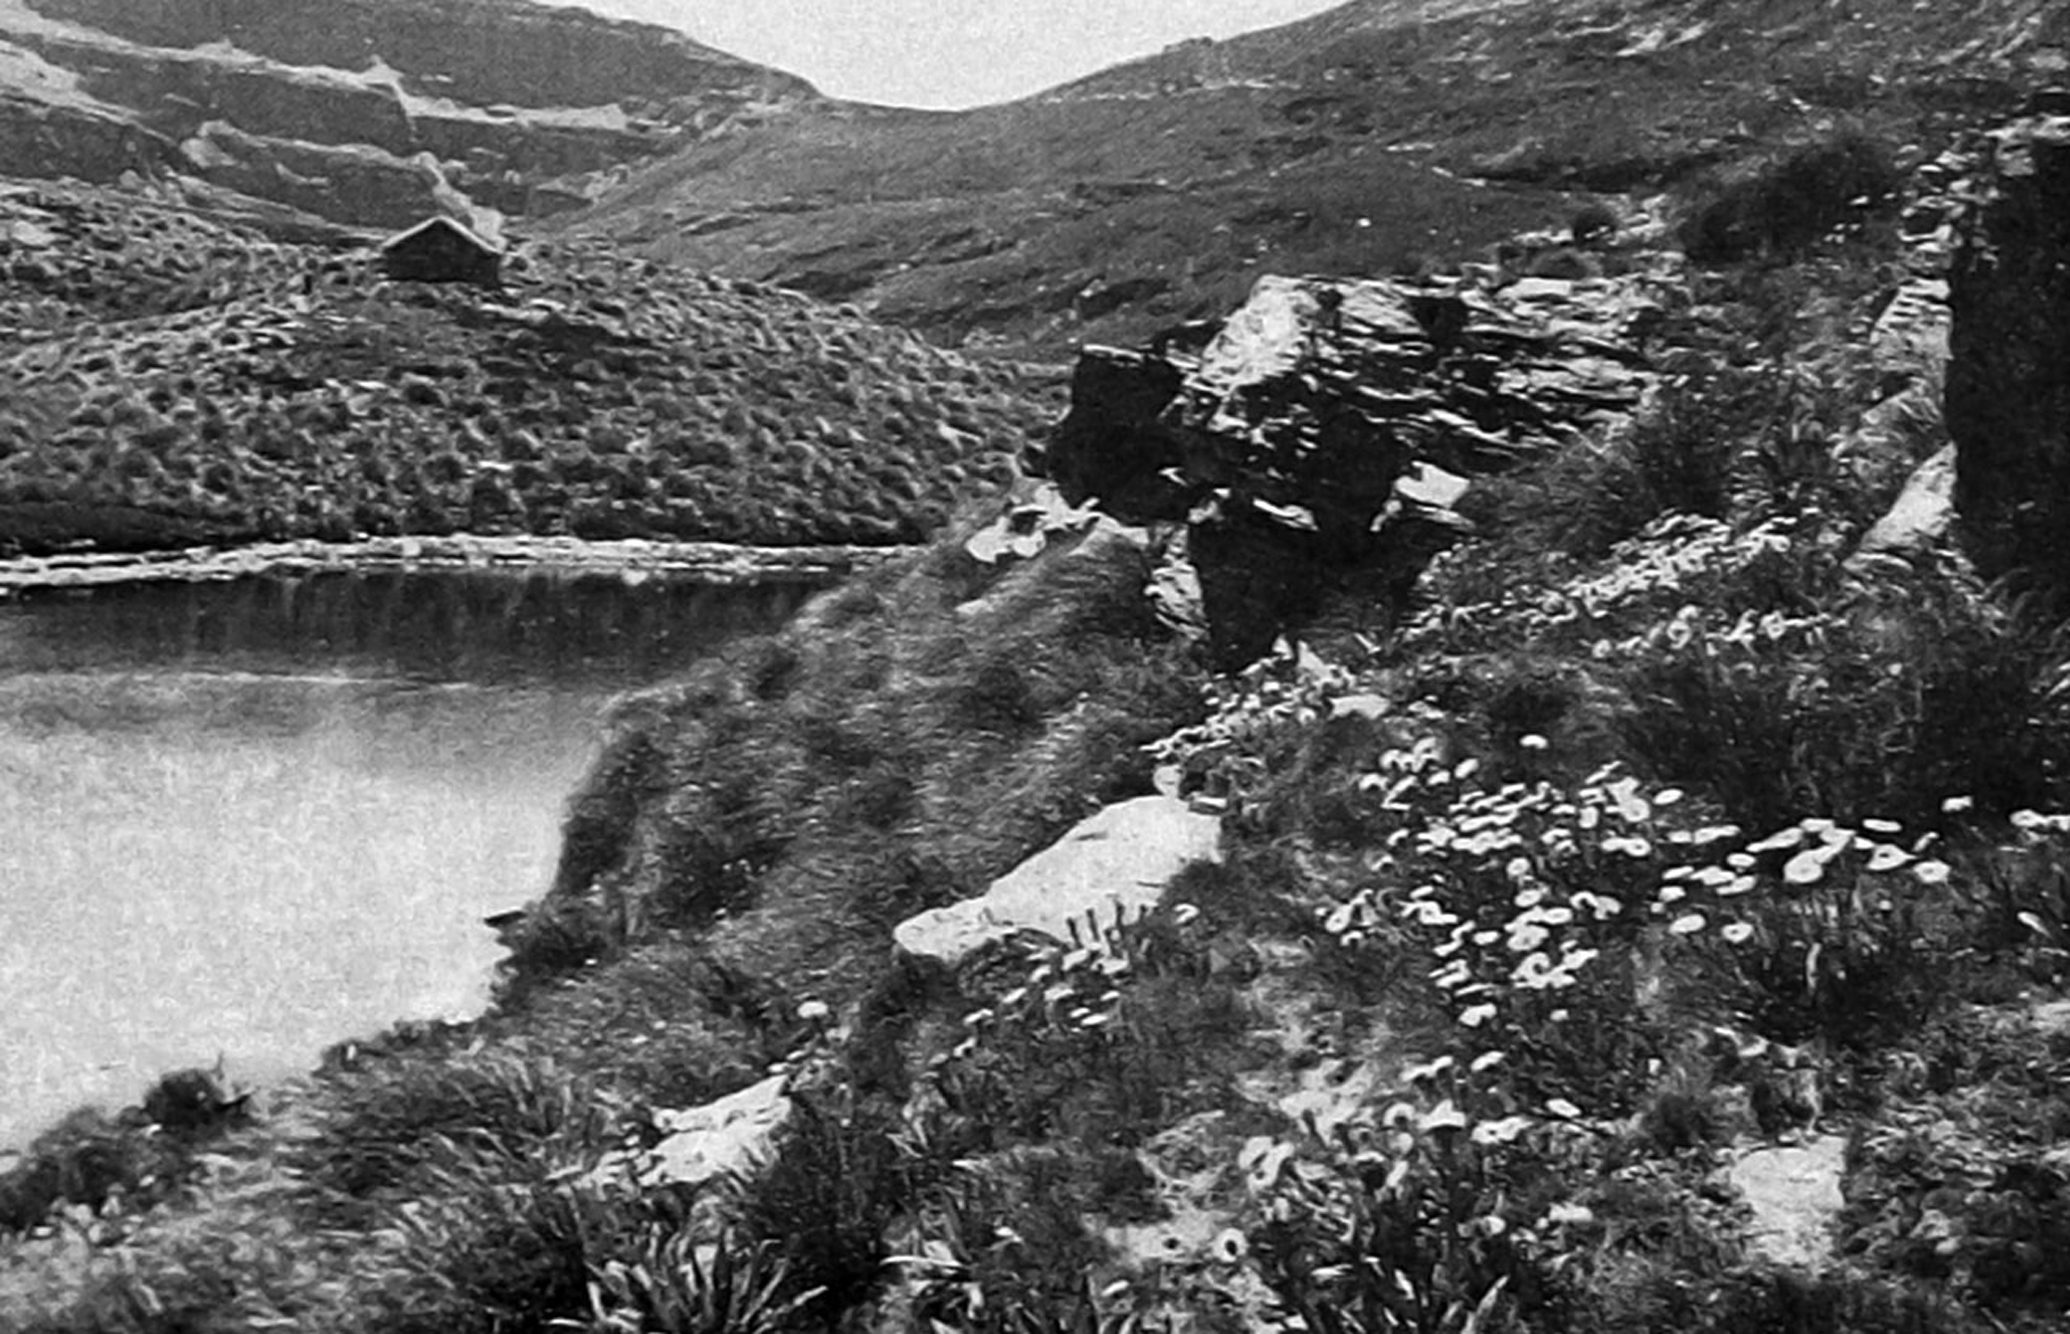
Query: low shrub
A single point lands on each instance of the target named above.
(389, 1120)
(828, 1201)
(670, 1288)
(1790, 202)
(1003, 1244)
(1421, 1232)
(85, 1161)
(497, 1244)
(1594, 224)
(952, 718)
(1100, 1043)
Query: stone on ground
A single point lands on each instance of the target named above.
(1794, 1191)
(731, 1136)
(1121, 859)
(1923, 513)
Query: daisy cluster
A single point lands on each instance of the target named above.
(1681, 562)
(1066, 993)
(1277, 698)
(1547, 909)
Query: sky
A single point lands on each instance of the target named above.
(950, 53)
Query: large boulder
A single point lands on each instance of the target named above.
(2008, 398)
(1299, 442)
(1120, 860)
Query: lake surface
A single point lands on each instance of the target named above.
(255, 818)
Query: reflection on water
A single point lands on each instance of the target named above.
(255, 818)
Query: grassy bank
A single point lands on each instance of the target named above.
(748, 841)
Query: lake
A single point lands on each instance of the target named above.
(256, 817)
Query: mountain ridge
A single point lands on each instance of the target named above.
(368, 112)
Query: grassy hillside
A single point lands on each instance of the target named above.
(1036, 225)
(172, 379)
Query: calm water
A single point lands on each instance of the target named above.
(254, 818)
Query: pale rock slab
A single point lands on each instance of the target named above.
(733, 1135)
(1923, 513)
(1122, 858)
(1794, 1191)
(1912, 332)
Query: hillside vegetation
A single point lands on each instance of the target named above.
(172, 379)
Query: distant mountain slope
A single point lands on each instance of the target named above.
(168, 379)
(369, 112)
(1611, 93)
(1041, 223)
(1349, 142)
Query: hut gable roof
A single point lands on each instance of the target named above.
(439, 223)
(440, 250)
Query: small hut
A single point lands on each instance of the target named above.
(440, 250)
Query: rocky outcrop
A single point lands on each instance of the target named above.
(1119, 861)
(1910, 335)
(1113, 446)
(1312, 433)
(2008, 399)
(357, 108)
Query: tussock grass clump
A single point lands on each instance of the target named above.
(671, 1288)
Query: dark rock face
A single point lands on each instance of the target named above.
(2008, 387)
(1112, 444)
(1318, 432)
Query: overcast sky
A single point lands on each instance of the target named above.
(950, 53)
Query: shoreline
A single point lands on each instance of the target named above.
(634, 559)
